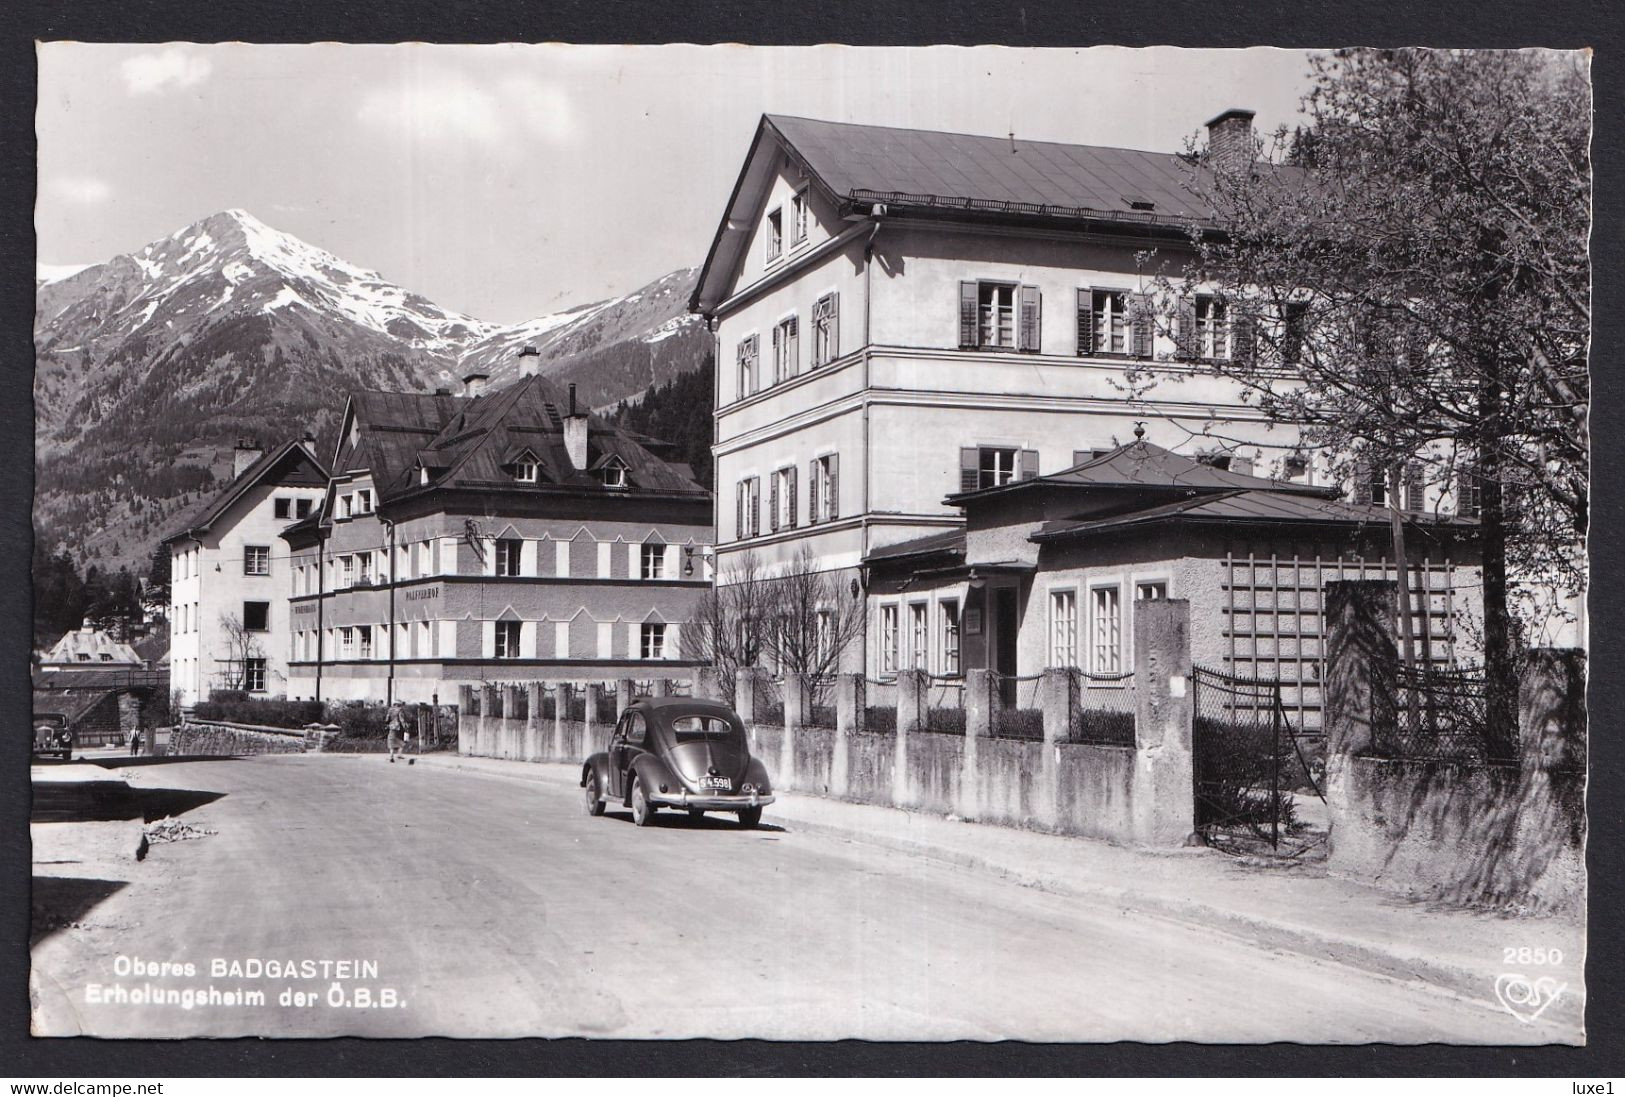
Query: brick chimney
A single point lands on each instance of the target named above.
(245, 454)
(1230, 140)
(530, 360)
(474, 383)
(575, 433)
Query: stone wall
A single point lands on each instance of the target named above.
(1508, 835)
(217, 739)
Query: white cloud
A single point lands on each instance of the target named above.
(172, 68)
(448, 105)
(84, 189)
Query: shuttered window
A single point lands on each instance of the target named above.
(749, 352)
(786, 349)
(826, 336)
(823, 489)
(999, 314)
(1103, 326)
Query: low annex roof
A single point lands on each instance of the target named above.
(1248, 507)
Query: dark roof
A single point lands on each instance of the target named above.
(1141, 465)
(202, 516)
(1248, 507)
(933, 168)
(471, 442)
(949, 543)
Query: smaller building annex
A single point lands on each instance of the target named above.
(1048, 570)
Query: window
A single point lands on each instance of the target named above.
(652, 560)
(1063, 628)
(1105, 631)
(363, 639)
(363, 501)
(1296, 467)
(1153, 591)
(256, 616)
(509, 551)
(652, 641)
(798, 217)
(282, 507)
(1371, 485)
(363, 569)
(949, 647)
(823, 489)
(786, 349)
(782, 499)
(1110, 325)
(888, 639)
(749, 354)
(614, 473)
(995, 315)
(256, 560)
(1414, 495)
(1212, 327)
(346, 571)
(301, 508)
(1469, 493)
(748, 499)
(1294, 323)
(775, 234)
(919, 637)
(254, 675)
(507, 640)
(1114, 322)
(826, 335)
(347, 643)
(995, 467)
(524, 469)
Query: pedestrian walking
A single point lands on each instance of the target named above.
(135, 742)
(395, 723)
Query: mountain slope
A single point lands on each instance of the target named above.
(148, 367)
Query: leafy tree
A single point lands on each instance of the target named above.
(1414, 290)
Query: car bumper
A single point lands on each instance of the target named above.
(711, 801)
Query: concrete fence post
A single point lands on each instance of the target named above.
(849, 714)
(465, 722)
(509, 747)
(589, 720)
(660, 687)
(911, 701)
(1060, 707)
(793, 690)
(532, 750)
(1164, 763)
(706, 684)
(562, 694)
(980, 699)
(488, 721)
(624, 688)
(1357, 697)
(747, 690)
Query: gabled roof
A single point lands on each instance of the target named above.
(948, 545)
(202, 516)
(1249, 507)
(1142, 466)
(932, 172)
(97, 647)
(473, 443)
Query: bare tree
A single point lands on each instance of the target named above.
(241, 646)
(728, 622)
(813, 619)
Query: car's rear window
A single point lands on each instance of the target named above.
(688, 728)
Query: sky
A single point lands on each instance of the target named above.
(508, 182)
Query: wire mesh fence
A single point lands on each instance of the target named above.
(1020, 711)
(880, 706)
(608, 708)
(770, 702)
(818, 708)
(1105, 710)
(1435, 714)
(945, 704)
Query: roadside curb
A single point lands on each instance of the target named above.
(1301, 940)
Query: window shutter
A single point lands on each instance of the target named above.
(792, 352)
(755, 506)
(604, 566)
(634, 637)
(488, 639)
(1362, 484)
(634, 560)
(739, 511)
(967, 315)
(969, 468)
(812, 492)
(778, 356)
(527, 641)
(1244, 339)
(833, 350)
(489, 545)
(1086, 321)
(1030, 329)
(1413, 487)
(773, 502)
(832, 489)
(527, 556)
(1141, 328)
(1185, 329)
(673, 641)
(790, 497)
(1466, 494)
(1029, 464)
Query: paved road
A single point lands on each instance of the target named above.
(496, 907)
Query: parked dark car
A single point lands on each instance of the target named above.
(52, 736)
(677, 752)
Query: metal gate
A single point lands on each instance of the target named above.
(1253, 776)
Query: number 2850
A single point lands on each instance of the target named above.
(1531, 956)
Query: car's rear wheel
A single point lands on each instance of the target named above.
(643, 812)
(593, 797)
(749, 817)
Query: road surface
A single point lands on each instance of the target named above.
(478, 905)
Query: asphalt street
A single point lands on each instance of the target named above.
(467, 904)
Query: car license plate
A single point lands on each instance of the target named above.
(723, 784)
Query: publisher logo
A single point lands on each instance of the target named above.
(1526, 998)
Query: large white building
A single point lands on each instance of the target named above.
(903, 315)
(229, 575)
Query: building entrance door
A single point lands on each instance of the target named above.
(1005, 625)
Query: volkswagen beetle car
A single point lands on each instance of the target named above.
(677, 752)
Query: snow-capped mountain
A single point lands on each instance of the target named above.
(150, 365)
